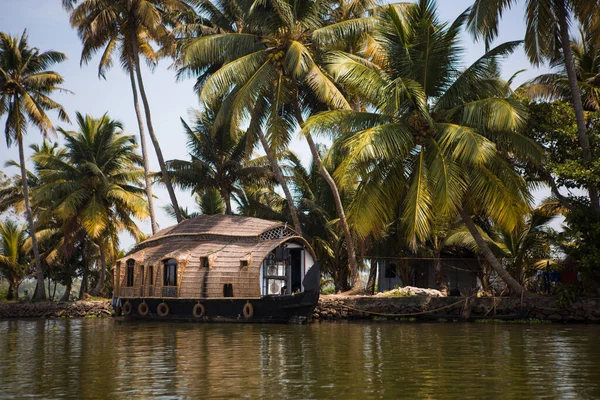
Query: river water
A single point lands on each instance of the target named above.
(106, 358)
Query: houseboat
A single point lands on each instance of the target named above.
(219, 268)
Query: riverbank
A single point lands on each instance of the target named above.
(76, 309)
(337, 307)
(547, 308)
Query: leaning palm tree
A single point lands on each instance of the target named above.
(430, 142)
(13, 256)
(523, 249)
(95, 184)
(129, 28)
(555, 85)
(547, 35)
(219, 159)
(268, 69)
(25, 85)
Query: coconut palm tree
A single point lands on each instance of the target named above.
(129, 28)
(13, 256)
(555, 85)
(209, 202)
(268, 68)
(95, 184)
(25, 86)
(524, 249)
(547, 35)
(431, 140)
(219, 159)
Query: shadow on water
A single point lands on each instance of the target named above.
(104, 358)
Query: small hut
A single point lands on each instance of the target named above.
(215, 261)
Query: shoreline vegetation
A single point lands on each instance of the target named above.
(432, 161)
(539, 309)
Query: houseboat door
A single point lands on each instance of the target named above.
(296, 267)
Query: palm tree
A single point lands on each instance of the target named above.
(219, 159)
(555, 85)
(268, 69)
(524, 249)
(129, 27)
(209, 202)
(95, 184)
(25, 85)
(547, 34)
(431, 142)
(13, 256)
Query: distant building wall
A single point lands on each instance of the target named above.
(460, 274)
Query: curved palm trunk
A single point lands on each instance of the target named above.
(40, 292)
(157, 149)
(584, 142)
(147, 179)
(281, 180)
(102, 278)
(514, 286)
(354, 277)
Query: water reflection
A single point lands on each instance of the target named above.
(105, 358)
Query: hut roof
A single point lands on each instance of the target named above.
(219, 225)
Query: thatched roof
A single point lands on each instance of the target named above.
(228, 236)
(219, 225)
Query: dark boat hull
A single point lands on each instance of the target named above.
(275, 309)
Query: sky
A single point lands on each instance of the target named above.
(48, 28)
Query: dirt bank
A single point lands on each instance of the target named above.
(456, 308)
(77, 309)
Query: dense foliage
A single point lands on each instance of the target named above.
(429, 157)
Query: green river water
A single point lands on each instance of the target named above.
(106, 358)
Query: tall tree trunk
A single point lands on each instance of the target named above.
(147, 178)
(514, 286)
(16, 285)
(11, 291)
(584, 142)
(84, 284)
(372, 276)
(354, 277)
(159, 155)
(67, 294)
(98, 290)
(281, 180)
(227, 199)
(40, 293)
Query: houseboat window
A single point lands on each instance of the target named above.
(130, 266)
(228, 290)
(170, 275)
(142, 275)
(276, 279)
(243, 263)
(204, 262)
(151, 273)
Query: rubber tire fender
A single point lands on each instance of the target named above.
(198, 311)
(126, 308)
(143, 309)
(248, 310)
(160, 311)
